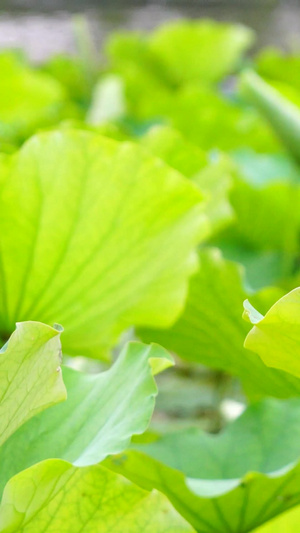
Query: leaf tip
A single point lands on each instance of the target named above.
(160, 360)
(250, 314)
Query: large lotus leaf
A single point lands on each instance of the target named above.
(100, 415)
(282, 114)
(211, 330)
(205, 50)
(54, 496)
(275, 337)
(96, 235)
(28, 98)
(233, 481)
(212, 175)
(30, 375)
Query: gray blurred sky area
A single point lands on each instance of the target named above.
(44, 28)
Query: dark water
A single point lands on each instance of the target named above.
(43, 27)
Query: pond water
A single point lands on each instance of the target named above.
(44, 28)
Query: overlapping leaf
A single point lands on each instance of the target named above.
(206, 51)
(233, 481)
(275, 337)
(55, 496)
(151, 72)
(100, 415)
(212, 175)
(211, 330)
(30, 375)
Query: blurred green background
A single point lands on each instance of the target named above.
(44, 27)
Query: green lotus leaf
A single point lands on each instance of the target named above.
(233, 481)
(275, 337)
(101, 414)
(87, 241)
(55, 496)
(205, 50)
(30, 375)
(211, 331)
(29, 99)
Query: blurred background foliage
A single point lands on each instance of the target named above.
(65, 41)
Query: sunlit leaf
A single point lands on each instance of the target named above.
(54, 496)
(276, 336)
(87, 241)
(30, 375)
